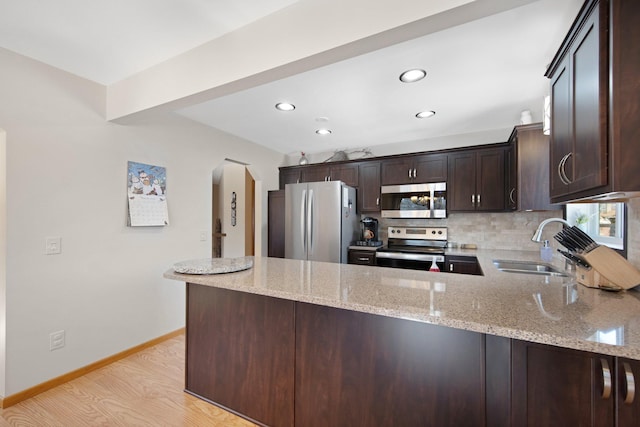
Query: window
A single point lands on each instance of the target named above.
(604, 222)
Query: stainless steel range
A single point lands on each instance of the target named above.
(413, 247)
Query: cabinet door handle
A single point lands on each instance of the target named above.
(363, 259)
(561, 169)
(478, 200)
(414, 172)
(560, 165)
(377, 201)
(630, 384)
(409, 173)
(511, 193)
(606, 378)
(473, 199)
(451, 267)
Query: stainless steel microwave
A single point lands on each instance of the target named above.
(414, 200)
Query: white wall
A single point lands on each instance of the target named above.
(430, 144)
(66, 177)
(233, 181)
(3, 253)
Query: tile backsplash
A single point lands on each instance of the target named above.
(512, 230)
(500, 230)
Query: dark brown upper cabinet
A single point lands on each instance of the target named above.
(595, 87)
(368, 194)
(528, 170)
(414, 169)
(289, 175)
(345, 172)
(477, 180)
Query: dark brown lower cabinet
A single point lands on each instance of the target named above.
(284, 363)
(362, 257)
(462, 265)
(561, 387)
(275, 223)
(627, 393)
(358, 369)
(240, 353)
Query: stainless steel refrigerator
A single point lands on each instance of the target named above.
(320, 221)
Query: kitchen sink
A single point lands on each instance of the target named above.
(528, 267)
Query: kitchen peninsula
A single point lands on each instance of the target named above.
(303, 343)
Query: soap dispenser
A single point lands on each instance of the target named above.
(546, 252)
(434, 266)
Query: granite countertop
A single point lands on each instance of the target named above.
(544, 309)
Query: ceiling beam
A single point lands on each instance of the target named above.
(298, 38)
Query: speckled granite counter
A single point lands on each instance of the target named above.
(543, 309)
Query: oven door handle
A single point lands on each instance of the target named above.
(410, 257)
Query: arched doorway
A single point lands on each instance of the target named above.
(236, 211)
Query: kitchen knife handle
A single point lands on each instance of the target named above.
(630, 384)
(606, 378)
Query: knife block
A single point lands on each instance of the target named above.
(608, 269)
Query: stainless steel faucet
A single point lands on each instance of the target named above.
(537, 236)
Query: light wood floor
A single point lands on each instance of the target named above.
(145, 389)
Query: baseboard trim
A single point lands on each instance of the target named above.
(48, 385)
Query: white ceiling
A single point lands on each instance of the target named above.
(480, 75)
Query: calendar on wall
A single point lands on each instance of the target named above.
(147, 195)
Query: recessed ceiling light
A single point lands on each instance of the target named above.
(285, 106)
(411, 76)
(323, 131)
(425, 114)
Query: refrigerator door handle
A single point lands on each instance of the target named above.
(303, 215)
(310, 223)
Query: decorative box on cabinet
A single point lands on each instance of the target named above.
(595, 87)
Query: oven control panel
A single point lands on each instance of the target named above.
(418, 233)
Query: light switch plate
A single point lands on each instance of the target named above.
(53, 245)
(56, 340)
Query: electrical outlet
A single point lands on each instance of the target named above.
(203, 236)
(53, 245)
(56, 340)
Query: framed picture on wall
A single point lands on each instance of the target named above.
(147, 195)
